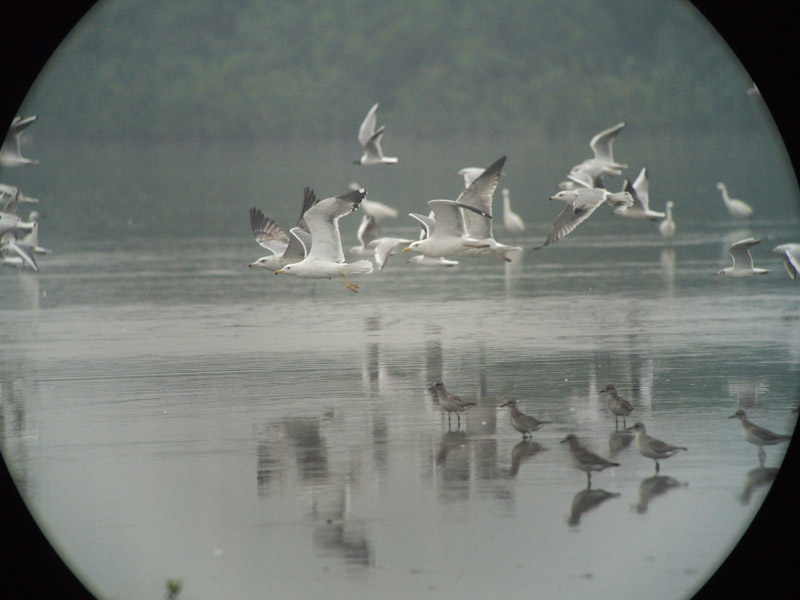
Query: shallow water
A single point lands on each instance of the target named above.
(170, 413)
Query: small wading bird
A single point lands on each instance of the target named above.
(325, 258)
(755, 434)
(742, 261)
(450, 402)
(370, 140)
(523, 423)
(584, 459)
(618, 405)
(737, 208)
(651, 447)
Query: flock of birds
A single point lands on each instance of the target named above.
(462, 228)
(452, 229)
(584, 459)
(19, 238)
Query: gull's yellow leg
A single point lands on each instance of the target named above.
(353, 287)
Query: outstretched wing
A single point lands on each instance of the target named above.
(367, 129)
(267, 233)
(569, 218)
(478, 195)
(740, 253)
(603, 145)
(427, 223)
(323, 224)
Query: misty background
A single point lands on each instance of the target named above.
(179, 116)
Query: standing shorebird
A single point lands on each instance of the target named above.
(618, 406)
(523, 423)
(585, 460)
(450, 402)
(755, 434)
(653, 448)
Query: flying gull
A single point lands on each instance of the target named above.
(325, 258)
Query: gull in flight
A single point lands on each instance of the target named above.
(667, 227)
(469, 174)
(581, 203)
(478, 195)
(427, 224)
(512, 221)
(639, 191)
(737, 208)
(325, 258)
(449, 236)
(9, 221)
(11, 150)
(790, 253)
(285, 250)
(742, 261)
(370, 140)
(372, 208)
(602, 161)
(10, 190)
(366, 234)
(24, 248)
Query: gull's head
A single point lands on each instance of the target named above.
(739, 414)
(565, 196)
(262, 262)
(638, 427)
(413, 247)
(284, 269)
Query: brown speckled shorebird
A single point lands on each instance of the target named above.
(618, 406)
(651, 447)
(584, 459)
(755, 434)
(450, 402)
(525, 424)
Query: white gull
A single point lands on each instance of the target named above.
(325, 258)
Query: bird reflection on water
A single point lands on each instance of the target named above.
(759, 477)
(586, 500)
(656, 485)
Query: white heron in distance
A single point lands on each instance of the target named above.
(737, 208)
(512, 221)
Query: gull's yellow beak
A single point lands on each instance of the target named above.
(279, 271)
(406, 249)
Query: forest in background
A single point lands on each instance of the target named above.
(250, 70)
